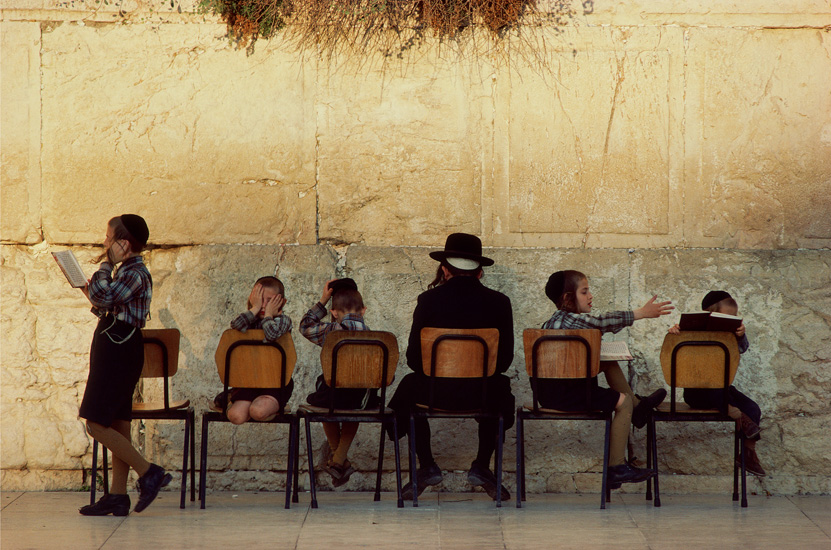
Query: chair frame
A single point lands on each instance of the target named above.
(187, 414)
(432, 412)
(254, 340)
(383, 415)
(696, 415)
(537, 414)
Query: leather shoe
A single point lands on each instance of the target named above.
(624, 473)
(749, 429)
(479, 476)
(751, 463)
(640, 414)
(431, 475)
(117, 505)
(149, 486)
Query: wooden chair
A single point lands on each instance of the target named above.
(246, 360)
(697, 360)
(161, 360)
(357, 359)
(457, 353)
(571, 354)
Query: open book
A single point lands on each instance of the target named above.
(615, 351)
(71, 268)
(706, 320)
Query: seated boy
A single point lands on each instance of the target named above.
(739, 406)
(347, 314)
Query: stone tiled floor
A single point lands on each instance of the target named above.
(443, 520)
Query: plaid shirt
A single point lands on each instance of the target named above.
(126, 295)
(614, 321)
(273, 327)
(315, 330)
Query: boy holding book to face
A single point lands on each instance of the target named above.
(739, 406)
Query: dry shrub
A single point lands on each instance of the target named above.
(385, 25)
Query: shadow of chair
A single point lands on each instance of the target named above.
(697, 360)
(560, 354)
(357, 359)
(246, 360)
(161, 360)
(457, 353)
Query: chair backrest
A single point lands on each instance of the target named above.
(161, 352)
(161, 356)
(459, 353)
(562, 353)
(699, 359)
(359, 358)
(246, 360)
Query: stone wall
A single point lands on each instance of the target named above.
(660, 147)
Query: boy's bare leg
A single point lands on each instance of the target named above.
(617, 380)
(239, 412)
(117, 440)
(621, 424)
(347, 434)
(332, 431)
(264, 408)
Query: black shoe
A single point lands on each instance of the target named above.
(117, 505)
(479, 476)
(149, 486)
(641, 413)
(430, 475)
(624, 473)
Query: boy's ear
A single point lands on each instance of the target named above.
(335, 314)
(363, 312)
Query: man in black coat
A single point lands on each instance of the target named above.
(457, 299)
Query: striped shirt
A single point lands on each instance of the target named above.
(614, 321)
(126, 294)
(315, 330)
(273, 327)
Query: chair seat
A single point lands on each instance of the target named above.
(684, 408)
(530, 407)
(325, 410)
(447, 411)
(158, 406)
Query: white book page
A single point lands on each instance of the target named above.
(71, 268)
(615, 351)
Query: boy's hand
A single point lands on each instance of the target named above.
(674, 329)
(327, 293)
(274, 305)
(652, 309)
(740, 331)
(256, 299)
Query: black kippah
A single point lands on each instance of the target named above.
(714, 297)
(137, 227)
(343, 284)
(556, 284)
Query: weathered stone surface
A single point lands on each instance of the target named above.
(171, 135)
(20, 132)
(763, 163)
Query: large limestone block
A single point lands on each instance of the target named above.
(401, 148)
(20, 194)
(587, 141)
(758, 145)
(211, 145)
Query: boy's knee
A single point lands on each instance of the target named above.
(93, 428)
(237, 417)
(624, 403)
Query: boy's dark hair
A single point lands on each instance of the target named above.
(714, 298)
(562, 287)
(347, 300)
(721, 304)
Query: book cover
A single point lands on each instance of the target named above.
(615, 351)
(705, 320)
(71, 268)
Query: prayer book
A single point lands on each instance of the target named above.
(71, 268)
(706, 320)
(615, 351)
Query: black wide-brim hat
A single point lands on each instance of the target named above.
(462, 245)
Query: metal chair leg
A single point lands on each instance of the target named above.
(604, 481)
(397, 462)
(290, 465)
(499, 448)
(312, 485)
(203, 462)
(185, 464)
(294, 497)
(380, 464)
(93, 473)
(192, 415)
(413, 474)
(519, 473)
